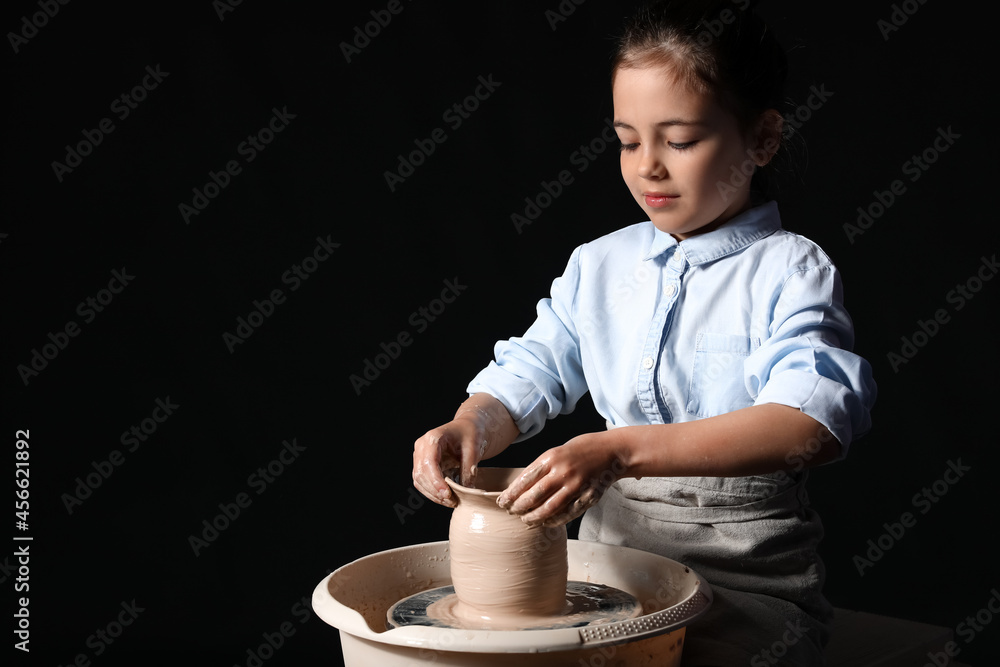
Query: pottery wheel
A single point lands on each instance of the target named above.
(586, 604)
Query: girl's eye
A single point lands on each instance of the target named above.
(676, 146)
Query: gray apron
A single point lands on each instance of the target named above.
(753, 539)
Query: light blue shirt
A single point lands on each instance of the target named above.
(661, 331)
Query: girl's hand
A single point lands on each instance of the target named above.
(457, 445)
(565, 481)
(482, 427)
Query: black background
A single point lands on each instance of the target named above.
(324, 176)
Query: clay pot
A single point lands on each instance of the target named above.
(504, 571)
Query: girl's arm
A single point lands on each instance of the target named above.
(564, 481)
(757, 440)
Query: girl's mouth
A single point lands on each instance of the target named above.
(658, 199)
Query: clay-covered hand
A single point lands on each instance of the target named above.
(482, 428)
(455, 446)
(565, 481)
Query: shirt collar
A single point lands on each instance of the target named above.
(735, 235)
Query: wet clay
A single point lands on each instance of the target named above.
(586, 604)
(504, 572)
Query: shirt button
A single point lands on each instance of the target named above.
(670, 290)
(647, 363)
(678, 257)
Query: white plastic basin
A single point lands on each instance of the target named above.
(354, 599)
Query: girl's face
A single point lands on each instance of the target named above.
(683, 157)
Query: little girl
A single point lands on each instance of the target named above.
(714, 343)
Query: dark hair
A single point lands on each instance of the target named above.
(720, 47)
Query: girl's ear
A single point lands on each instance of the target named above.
(767, 136)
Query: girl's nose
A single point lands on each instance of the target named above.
(651, 166)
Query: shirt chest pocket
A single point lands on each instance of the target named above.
(717, 384)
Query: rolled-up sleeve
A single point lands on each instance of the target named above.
(540, 374)
(807, 363)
